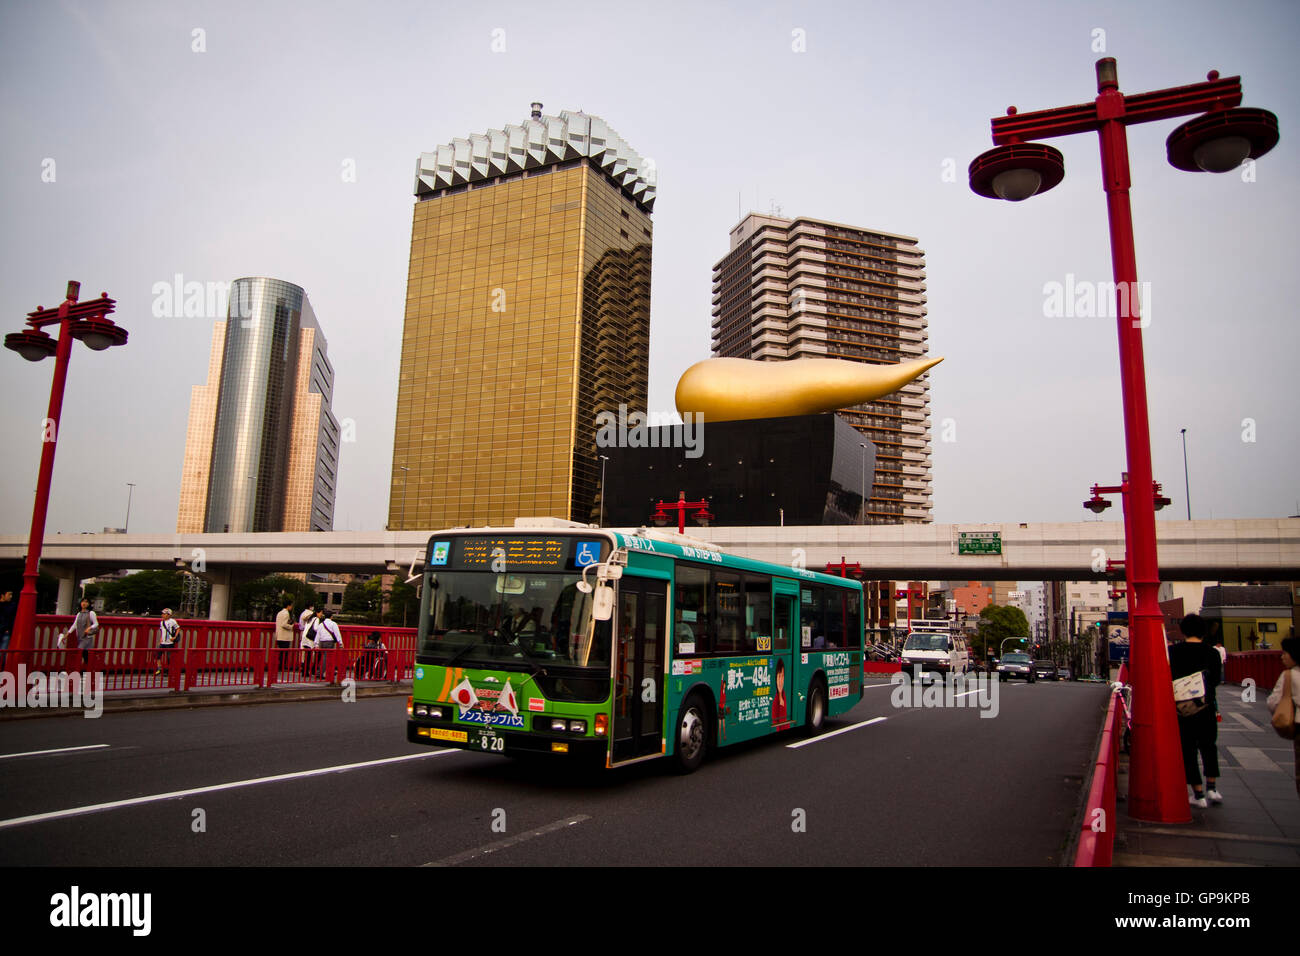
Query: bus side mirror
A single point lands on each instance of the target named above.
(603, 607)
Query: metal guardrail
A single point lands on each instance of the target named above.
(1097, 831)
(213, 655)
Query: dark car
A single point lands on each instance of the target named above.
(1046, 670)
(1016, 665)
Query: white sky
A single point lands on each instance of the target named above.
(227, 163)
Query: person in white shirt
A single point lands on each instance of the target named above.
(309, 641)
(169, 630)
(328, 637)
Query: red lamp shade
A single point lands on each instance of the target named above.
(1017, 171)
(98, 334)
(1220, 140)
(31, 344)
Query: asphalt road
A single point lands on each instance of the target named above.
(920, 787)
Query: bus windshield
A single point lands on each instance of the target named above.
(477, 618)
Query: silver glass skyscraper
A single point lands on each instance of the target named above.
(262, 445)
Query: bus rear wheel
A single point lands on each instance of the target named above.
(815, 718)
(692, 734)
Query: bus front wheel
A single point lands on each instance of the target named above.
(692, 734)
(815, 719)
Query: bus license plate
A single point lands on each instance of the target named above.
(487, 741)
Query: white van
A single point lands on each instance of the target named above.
(935, 651)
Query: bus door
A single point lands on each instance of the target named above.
(638, 668)
(785, 644)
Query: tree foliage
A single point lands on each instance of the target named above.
(997, 623)
(368, 602)
(262, 599)
(145, 592)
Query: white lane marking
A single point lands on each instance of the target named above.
(510, 841)
(215, 788)
(835, 733)
(60, 750)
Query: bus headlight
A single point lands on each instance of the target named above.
(578, 726)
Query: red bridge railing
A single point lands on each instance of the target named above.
(215, 654)
(1097, 836)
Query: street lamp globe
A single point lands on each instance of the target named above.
(98, 334)
(1219, 141)
(1016, 185)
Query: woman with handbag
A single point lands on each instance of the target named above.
(1281, 703)
(1198, 726)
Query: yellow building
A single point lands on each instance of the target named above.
(527, 313)
(1250, 617)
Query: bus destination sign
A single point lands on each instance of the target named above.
(513, 554)
(507, 553)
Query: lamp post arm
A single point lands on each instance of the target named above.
(1135, 108)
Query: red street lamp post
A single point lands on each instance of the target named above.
(910, 593)
(1218, 141)
(703, 515)
(89, 322)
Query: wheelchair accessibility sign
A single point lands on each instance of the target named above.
(587, 554)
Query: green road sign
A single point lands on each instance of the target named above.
(979, 542)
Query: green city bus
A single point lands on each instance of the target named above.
(620, 646)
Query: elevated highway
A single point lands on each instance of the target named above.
(1235, 550)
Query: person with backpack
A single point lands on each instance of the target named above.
(1199, 730)
(329, 637)
(169, 630)
(310, 641)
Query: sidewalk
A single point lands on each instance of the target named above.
(1258, 823)
(120, 701)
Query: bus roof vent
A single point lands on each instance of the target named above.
(544, 522)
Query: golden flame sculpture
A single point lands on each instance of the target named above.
(735, 389)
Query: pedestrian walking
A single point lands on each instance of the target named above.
(284, 622)
(1291, 671)
(84, 627)
(169, 629)
(1199, 731)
